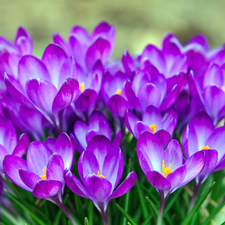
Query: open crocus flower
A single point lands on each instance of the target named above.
(100, 168)
(49, 85)
(154, 122)
(9, 144)
(98, 124)
(201, 136)
(42, 173)
(89, 48)
(166, 170)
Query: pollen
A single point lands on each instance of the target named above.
(166, 171)
(44, 176)
(81, 87)
(153, 127)
(119, 91)
(99, 175)
(223, 89)
(204, 147)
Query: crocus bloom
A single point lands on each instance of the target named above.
(89, 48)
(42, 173)
(9, 144)
(166, 170)
(48, 85)
(97, 124)
(201, 136)
(100, 168)
(154, 122)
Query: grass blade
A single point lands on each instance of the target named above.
(127, 215)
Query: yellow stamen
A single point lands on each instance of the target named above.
(99, 175)
(223, 89)
(119, 91)
(204, 147)
(166, 171)
(152, 127)
(44, 171)
(81, 87)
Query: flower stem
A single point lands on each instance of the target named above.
(104, 218)
(194, 196)
(161, 208)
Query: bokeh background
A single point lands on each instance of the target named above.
(137, 22)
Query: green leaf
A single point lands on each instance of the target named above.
(79, 207)
(197, 205)
(86, 221)
(146, 222)
(58, 217)
(213, 213)
(15, 200)
(152, 208)
(127, 215)
(91, 213)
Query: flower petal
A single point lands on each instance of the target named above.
(29, 178)
(22, 145)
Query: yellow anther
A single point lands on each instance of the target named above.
(223, 89)
(119, 91)
(99, 175)
(204, 147)
(44, 171)
(152, 127)
(166, 171)
(81, 87)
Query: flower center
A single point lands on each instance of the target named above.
(119, 91)
(81, 87)
(99, 175)
(44, 171)
(204, 147)
(152, 127)
(166, 171)
(223, 89)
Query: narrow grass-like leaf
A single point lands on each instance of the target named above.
(79, 207)
(146, 222)
(36, 218)
(127, 215)
(152, 208)
(213, 213)
(197, 205)
(57, 217)
(91, 213)
(86, 222)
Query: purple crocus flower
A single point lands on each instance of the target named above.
(89, 48)
(98, 124)
(154, 122)
(9, 144)
(166, 170)
(100, 168)
(43, 172)
(201, 136)
(49, 85)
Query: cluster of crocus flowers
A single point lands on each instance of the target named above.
(88, 103)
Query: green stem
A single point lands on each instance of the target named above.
(161, 208)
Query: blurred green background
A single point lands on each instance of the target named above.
(137, 22)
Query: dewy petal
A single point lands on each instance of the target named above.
(75, 185)
(150, 149)
(37, 157)
(22, 145)
(125, 186)
(64, 147)
(54, 57)
(41, 93)
(158, 181)
(31, 67)
(29, 178)
(66, 95)
(12, 165)
(88, 164)
(173, 155)
(47, 188)
(97, 187)
(55, 168)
